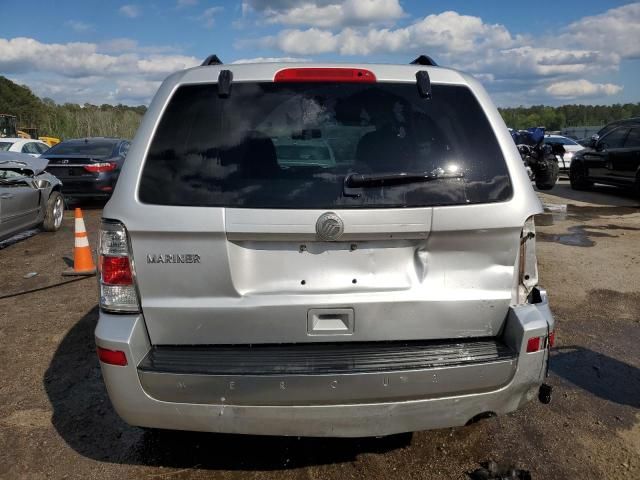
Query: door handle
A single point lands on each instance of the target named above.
(7, 195)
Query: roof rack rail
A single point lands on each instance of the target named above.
(424, 60)
(211, 60)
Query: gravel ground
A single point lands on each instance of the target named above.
(56, 420)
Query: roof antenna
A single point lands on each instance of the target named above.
(424, 84)
(224, 83)
(211, 60)
(425, 60)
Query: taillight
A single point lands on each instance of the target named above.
(112, 357)
(527, 261)
(533, 344)
(100, 167)
(344, 75)
(536, 344)
(116, 270)
(117, 286)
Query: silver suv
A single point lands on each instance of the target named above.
(388, 285)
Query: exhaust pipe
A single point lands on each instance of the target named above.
(544, 394)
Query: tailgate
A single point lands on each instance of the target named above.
(244, 276)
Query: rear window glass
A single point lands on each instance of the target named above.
(5, 146)
(279, 145)
(93, 149)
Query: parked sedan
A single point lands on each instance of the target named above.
(570, 148)
(88, 167)
(35, 148)
(614, 159)
(29, 196)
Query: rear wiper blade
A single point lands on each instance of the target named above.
(363, 180)
(355, 180)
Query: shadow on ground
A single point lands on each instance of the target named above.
(86, 203)
(599, 374)
(84, 418)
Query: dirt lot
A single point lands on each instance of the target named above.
(56, 420)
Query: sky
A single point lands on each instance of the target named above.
(524, 53)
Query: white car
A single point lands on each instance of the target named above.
(570, 147)
(32, 147)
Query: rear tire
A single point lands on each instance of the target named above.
(54, 212)
(578, 177)
(546, 178)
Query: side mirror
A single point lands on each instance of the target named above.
(593, 141)
(600, 146)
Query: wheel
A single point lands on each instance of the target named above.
(53, 214)
(578, 177)
(547, 174)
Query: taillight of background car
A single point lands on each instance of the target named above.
(100, 167)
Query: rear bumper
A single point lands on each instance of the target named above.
(393, 405)
(101, 185)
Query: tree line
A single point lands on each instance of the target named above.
(557, 118)
(71, 120)
(68, 120)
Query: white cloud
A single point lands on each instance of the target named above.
(617, 31)
(348, 12)
(447, 31)
(582, 88)
(135, 91)
(131, 11)
(82, 72)
(270, 60)
(78, 26)
(513, 65)
(20, 55)
(208, 16)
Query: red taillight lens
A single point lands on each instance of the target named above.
(115, 270)
(112, 357)
(345, 75)
(533, 344)
(100, 167)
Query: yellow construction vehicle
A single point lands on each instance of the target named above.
(8, 129)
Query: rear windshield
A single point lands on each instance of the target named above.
(90, 149)
(291, 145)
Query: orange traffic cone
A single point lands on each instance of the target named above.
(82, 257)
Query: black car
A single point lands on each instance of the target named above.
(613, 159)
(88, 167)
(610, 126)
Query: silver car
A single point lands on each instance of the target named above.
(394, 289)
(29, 196)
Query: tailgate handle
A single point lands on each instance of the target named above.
(330, 321)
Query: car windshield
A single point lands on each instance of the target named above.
(5, 146)
(560, 140)
(291, 145)
(91, 148)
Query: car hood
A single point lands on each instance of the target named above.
(24, 161)
(584, 150)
